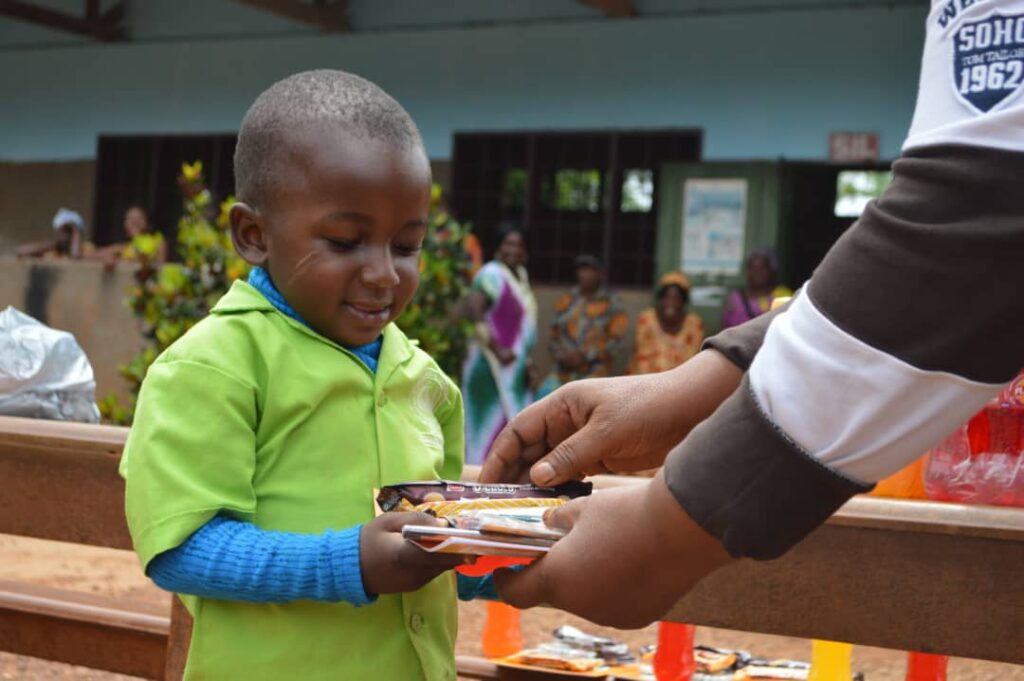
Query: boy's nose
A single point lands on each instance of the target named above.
(379, 270)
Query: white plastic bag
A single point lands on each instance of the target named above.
(44, 374)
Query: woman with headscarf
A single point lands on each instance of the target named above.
(762, 287)
(68, 242)
(496, 378)
(667, 335)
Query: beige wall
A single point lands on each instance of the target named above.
(83, 298)
(30, 194)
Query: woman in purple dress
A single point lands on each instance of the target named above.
(761, 289)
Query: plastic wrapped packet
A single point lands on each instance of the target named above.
(773, 669)
(716, 661)
(444, 498)
(559, 656)
(609, 650)
(44, 374)
(783, 670)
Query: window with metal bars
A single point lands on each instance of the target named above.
(573, 192)
(143, 170)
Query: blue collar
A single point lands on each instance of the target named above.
(369, 354)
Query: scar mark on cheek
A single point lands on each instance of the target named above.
(303, 264)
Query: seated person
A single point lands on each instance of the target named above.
(761, 273)
(261, 434)
(667, 335)
(69, 241)
(136, 223)
(589, 327)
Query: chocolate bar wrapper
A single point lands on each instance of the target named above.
(560, 657)
(716, 660)
(416, 494)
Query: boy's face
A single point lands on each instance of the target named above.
(341, 231)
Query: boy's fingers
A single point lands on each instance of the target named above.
(395, 521)
(412, 555)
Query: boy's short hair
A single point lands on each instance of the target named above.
(316, 97)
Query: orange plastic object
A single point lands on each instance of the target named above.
(673, 660)
(830, 661)
(906, 483)
(925, 667)
(485, 565)
(502, 635)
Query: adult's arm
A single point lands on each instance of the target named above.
(907, 328)
(910, 324)
(622, 425)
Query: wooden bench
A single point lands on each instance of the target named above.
(906, 575)
(60, 482)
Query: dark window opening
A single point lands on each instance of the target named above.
(143, 170)
(574, 192)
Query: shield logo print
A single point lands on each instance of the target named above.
(988, 60)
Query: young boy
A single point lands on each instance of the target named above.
(260, 435)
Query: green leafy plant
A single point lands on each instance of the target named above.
(433, 317)
(169, 299)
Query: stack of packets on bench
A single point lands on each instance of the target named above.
(502, 522)
(573, 653)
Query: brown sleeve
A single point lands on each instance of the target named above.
(930, 276)
(740, 343)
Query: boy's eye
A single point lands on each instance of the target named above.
(342, 244)
(408, 249)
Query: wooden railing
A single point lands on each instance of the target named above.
(910, 575)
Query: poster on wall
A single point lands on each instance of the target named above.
(714, 218)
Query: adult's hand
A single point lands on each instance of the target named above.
(603, 425)
(632, 552)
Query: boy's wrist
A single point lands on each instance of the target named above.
(346, 569)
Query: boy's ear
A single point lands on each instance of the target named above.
(248, 234)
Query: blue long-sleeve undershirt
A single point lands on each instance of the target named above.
(235, 560)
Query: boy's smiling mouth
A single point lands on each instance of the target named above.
(370, 312)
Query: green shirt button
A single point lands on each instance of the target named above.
(416, 623)
(382, 399)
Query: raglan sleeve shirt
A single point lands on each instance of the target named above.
(909, 325)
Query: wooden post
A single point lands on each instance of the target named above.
(178, 641)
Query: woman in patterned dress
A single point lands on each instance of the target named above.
(496, 378)
(667, 335)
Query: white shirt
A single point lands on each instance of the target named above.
(972, 76)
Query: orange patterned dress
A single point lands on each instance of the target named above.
(656, 351)
(594, 326)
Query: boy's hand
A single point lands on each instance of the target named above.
(391, 564)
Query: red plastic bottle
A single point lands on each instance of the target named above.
(673, 660)
(983, 462)
(925, 667)
(502, 635)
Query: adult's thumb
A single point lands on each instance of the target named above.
(567, 461)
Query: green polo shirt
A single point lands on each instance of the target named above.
(255, 416)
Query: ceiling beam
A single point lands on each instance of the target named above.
(327, 17)
(106, 27)
(616, 9)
